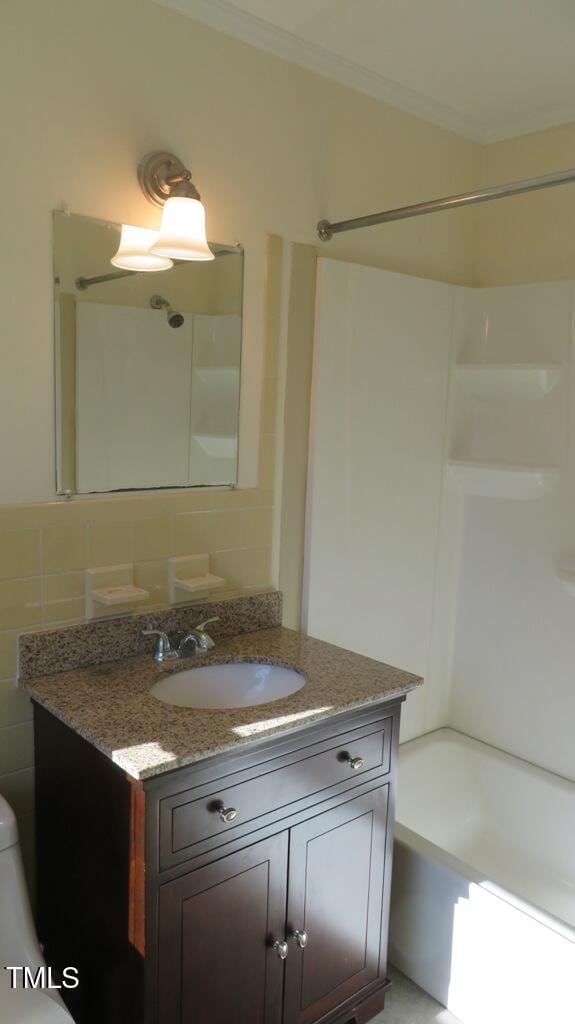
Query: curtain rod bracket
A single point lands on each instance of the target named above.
(324, 230)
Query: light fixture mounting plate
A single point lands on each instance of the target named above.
(156, 174)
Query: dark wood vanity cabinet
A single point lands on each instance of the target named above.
(249, 888)
(216, 926)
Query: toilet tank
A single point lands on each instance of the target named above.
(18, 943)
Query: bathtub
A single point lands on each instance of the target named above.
(483, 892)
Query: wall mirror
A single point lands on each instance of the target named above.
(147, 366)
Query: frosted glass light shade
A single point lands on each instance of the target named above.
(183, 230)
(134, 251)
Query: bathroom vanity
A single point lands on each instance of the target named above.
(223, 867)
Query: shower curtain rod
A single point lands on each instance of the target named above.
(327, 230)
(86, 282)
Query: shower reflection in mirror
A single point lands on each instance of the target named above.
(147, 377)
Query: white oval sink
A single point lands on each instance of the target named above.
(236, 685)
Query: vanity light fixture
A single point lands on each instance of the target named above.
(135, 251)
(166, 181)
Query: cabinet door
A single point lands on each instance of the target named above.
(217, 926)
(336, 895)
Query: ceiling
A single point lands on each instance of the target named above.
(487, 69)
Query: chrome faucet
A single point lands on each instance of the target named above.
(202, 641)
(197, 636)
(163, 651)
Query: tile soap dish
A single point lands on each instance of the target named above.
(112, 587)
(119, 595)
(190, 575)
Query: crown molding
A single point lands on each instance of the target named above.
(224, 17)
(527, 124)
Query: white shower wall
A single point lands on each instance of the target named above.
(513, 673)
(378, 450)
(180, 425)
(402, 564)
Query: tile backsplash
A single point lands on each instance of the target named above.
(42, 563)
(45, 548)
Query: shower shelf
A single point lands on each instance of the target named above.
(493, 480)
(508, 381)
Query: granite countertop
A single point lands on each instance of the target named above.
(110, 704)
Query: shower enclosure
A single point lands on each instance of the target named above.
(440, 527)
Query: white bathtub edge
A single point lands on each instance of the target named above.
(407, 837)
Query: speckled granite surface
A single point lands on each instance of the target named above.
(110, 705)
(92, 643)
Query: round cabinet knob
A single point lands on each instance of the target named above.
(302, 938)
(227, 814)
(281, 949)
(355, 763)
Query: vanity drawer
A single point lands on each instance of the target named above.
(192, 821)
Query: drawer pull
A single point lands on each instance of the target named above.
(227, 814)
(355, 763)
(301, 938)
(281, 949)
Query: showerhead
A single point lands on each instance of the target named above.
(175, 319)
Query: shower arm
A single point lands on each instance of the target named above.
(326, 229)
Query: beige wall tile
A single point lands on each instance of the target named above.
(64, 597)
(151, 538)
(190, 534)
(63, 586)
(225, 530)
(257, 524)
(257, 568)
(64, 548)
(19, 553)
(15, 706)
(245, 568)
(8, 655)
(20, 603)
(152, 576)
(191, 501)
(65, 611)
(109, 543)
(230, 565)
(237, 498)
(16, 748)
(123, 510)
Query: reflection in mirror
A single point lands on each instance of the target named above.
(147, 366)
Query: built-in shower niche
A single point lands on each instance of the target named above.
(509, 397)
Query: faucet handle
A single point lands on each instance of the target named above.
(202, 625)
(163, 646)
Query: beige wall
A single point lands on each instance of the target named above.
(531, 237)
(299, 336)
(87, 89)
